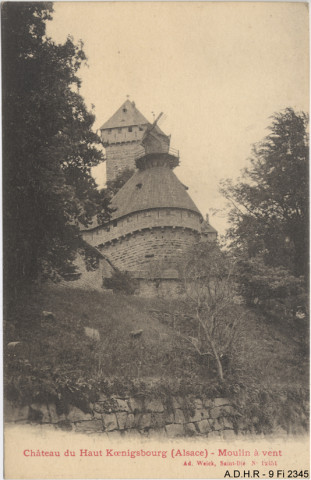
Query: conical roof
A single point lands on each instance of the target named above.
(155, 187)
(127, 115)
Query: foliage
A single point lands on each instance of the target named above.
(207, 274)
(269, 204)
(274, 289)
(121, 282)
(66, 366)
(48, 148)
(113, 186)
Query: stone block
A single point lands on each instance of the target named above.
(175, 402)
(130, 421)
(92, 333)
(48, 315)
(179, 416)
(76, 415)
(218, 402)
(228, 410)
(227, 422)
(158, 420)
(190, 429)
(102, 397)
(136, 405)
(169, 417)
(204, 426)
(65, 425)
(98, 407)
(14, 413)
(154, 405)
(89, 426)
(122, 405)
(155, 433)
(98, 416)
(54, 417)
(197, 402)
(39, 412)
(197, 417)
(175, 430)
(144, 421)
(110, 422)
(208, 403)
(109, 405)
(222, 411)
(18, 350)
(205, 413)
(121, 418)
(216, 423)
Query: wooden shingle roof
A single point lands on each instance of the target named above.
(156, 187)
(127, 115)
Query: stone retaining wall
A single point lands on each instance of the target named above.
(139, 416)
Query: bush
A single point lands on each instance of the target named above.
(121, 282)
(274, 290)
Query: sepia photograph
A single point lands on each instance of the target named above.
(155, 161)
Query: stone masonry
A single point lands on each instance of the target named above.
(135, 252)
(120, 157)
(136, 416)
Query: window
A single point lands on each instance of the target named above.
(115, 223)
(109, 131)
(119, 130)
(130, 129)
(140, 129)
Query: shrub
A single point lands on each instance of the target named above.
(121, 282)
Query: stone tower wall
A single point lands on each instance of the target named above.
(161, 217)
(119, 158)
(143, 250)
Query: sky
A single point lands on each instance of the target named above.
(218, 71)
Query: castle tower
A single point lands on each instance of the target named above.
(121, 135)
(154, 218)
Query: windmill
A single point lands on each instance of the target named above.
(154, 140)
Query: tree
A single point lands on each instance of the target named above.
(209, 298)
(113, 186)
(48, 148)
(269, 205)
(273, 289)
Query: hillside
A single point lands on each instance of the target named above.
(57, 360)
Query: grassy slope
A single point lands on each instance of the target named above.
(268, 358)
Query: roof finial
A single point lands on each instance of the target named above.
(128, 96)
